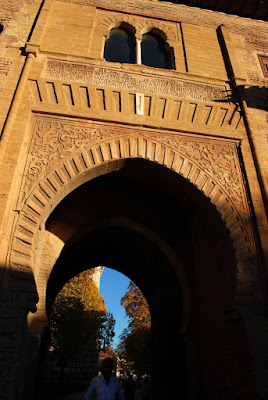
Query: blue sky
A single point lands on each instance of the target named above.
(113, 286)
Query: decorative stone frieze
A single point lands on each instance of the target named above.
(57, 139)
(88, 74)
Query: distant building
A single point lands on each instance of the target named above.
(96, 276)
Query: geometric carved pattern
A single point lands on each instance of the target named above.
(62, 151)
(141, 25)
(94, 75)
(57, 139)
(108, 94)
(215, 159)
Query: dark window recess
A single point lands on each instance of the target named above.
(264, 65)
(155, 52)
(1, 28)
(120, 47)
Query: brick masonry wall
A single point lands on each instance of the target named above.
(17, 18)
(77, 372)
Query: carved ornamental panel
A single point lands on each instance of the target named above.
(63, 150)
(58, 139)
(83, 73)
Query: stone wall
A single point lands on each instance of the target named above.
(76, 373)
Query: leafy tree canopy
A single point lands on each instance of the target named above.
(136, 308)
(79, 316)
(135, 346)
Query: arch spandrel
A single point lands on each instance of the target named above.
(140, 24)
(65, 153)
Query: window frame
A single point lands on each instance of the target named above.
(161, 36)
(131, 32)
(137, 35)
(263, 59)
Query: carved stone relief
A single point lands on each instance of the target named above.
(108, 20)
(57, 139)
(63, 150)
(5, 66)
(216, 159)
(88, 74)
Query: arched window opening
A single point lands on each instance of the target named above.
(1, 28)
(121, 46)
(155, 51)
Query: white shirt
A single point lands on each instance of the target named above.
(99, 390)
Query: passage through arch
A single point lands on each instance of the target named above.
(138, 228)
(129, 251)
(95, 156)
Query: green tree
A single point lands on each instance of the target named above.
(135, 342)
(79, 316)
(106, 331)
(136, 307)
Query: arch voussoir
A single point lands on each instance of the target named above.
(73, 170)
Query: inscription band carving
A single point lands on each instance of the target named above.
(83, 73)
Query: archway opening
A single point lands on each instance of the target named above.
(131, 253)
(155, 51)
(158, 229)
(121, 45)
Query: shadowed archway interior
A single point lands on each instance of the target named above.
(155, 227)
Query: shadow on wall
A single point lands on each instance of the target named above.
(21, 352)
(18, 305)
(255, 96)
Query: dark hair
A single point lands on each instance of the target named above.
(109, 361)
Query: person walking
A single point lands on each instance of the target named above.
(106, 386)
